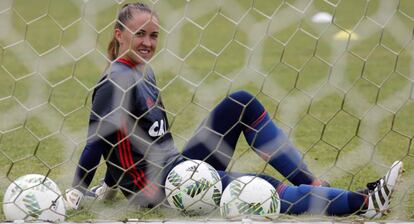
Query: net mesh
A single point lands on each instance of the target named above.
(336, 76)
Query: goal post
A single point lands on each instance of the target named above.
(336, 75)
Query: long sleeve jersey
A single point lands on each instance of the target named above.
(128, 126)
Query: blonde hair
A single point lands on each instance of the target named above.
(124, 15)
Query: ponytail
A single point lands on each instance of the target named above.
(113, 49)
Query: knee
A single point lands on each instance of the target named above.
(242, 97)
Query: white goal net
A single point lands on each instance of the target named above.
(336, 75)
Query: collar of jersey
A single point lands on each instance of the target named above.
(127, 62)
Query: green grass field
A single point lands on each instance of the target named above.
(343, 91)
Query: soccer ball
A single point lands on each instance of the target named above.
(193, 187)
(249, 195)
(34, 197)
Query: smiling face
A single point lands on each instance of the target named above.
(138, 39)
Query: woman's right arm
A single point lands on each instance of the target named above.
(102, 125)
(89, 159)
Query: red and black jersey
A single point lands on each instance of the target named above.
(129, 127)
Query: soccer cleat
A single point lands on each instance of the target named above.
(380, 192)
(73, 199)
(103, 192)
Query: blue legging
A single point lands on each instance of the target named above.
(216, 138)
(215, 141)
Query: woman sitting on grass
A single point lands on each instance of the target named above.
(128, 126)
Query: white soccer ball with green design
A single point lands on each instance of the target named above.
(34, 197)
(249, 195)
(193, 187)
